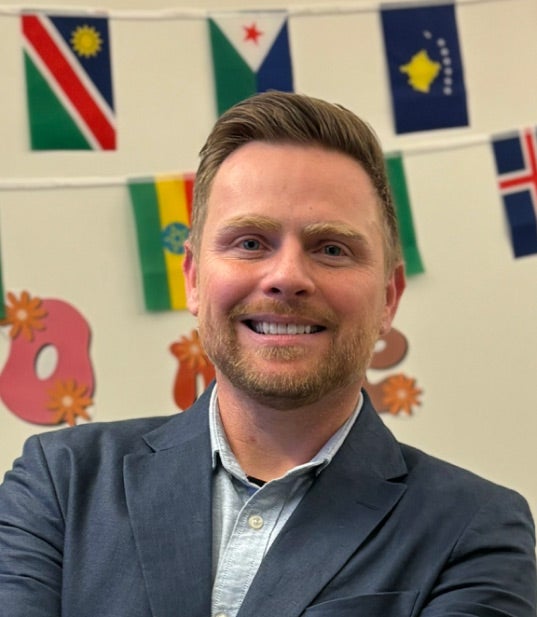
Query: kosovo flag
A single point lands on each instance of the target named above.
(425, 68)
(251, 54)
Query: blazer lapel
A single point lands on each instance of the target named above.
(168, 493)
(348, 500)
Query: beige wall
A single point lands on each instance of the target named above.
(470, 320)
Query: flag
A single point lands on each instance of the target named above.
(250, 52)
(516, 164)
(162, 213)
(68, 82)
(397, 180)
(425, 67)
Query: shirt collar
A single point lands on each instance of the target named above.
(221, 451)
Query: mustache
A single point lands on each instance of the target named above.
(292, 309)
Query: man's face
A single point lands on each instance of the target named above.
(289, 286)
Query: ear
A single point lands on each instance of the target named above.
(190, 272)
(395, 286)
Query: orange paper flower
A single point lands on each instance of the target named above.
(25, 315)
(69, 401)
(400, 394)
(190, 353)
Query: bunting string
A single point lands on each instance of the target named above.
(193, 13)
(24, 184)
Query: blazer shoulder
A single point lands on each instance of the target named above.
(448, 482)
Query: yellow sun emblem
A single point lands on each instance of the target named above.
(86, 41)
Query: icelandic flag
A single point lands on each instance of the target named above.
(425, 67)
(516, 164)
(250, 52)
(68, 82)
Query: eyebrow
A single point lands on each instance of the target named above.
(333, 228)
(264, 223)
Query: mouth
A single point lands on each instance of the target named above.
(269, 327)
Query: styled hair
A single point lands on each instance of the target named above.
(288, 118)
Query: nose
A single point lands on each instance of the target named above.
(289, 272)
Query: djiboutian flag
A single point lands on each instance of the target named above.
(516, 164)
(162, 212)
(68, 82)
(250, 52)
(405, 221)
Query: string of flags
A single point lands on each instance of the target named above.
(70, 100)
(69, 85)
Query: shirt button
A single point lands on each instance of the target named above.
(255, 521)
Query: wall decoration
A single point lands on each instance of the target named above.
(516, 163)
(64, 393)
(68, 82)
(397, 393)
(162, 211)
(193, 363)
(425, 67)
(250, 52)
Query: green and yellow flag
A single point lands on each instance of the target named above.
(397, 180)
(162, 211)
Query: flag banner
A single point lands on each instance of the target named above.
(162, 213)
(68, 82)
(250, 52)
(516, 164)
(397, 180)
(425, 67)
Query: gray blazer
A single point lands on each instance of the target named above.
(114, 520)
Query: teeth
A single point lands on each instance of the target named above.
(265, 327)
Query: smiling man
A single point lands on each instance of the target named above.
(280, 492)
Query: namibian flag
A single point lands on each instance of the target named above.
(162, 212)
(516, 164)
(68, 82)
(396, 177)
(250, 54)
(425, 67)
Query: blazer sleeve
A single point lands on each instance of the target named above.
(491, 571)
(31, 538)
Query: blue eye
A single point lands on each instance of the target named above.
(251, 244)
(333, 250)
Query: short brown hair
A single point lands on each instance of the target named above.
(282, 117)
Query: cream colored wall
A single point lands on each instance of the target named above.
(470, 320)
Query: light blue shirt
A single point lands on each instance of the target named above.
(247, 518)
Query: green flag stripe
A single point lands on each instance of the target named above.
(51, 126)
(234, 80)
(146, 215)
(396, 177)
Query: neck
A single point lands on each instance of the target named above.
(268, 442)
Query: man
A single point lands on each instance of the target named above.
(280, 492)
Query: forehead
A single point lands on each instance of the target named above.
(300, 176)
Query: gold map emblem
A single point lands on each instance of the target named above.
(421, 71)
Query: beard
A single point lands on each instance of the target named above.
(344, 362)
